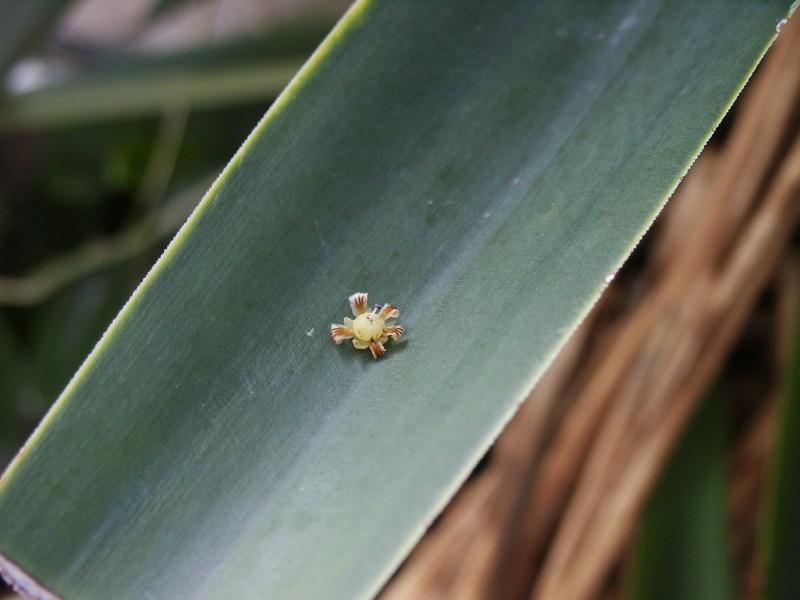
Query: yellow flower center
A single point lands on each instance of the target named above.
(368, 327)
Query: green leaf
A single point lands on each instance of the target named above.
(682, 550)
(22, 24)
(485, 167)
(14, 379)
(67, 327)
(781, 543)
(218, 74)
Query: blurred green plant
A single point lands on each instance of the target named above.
(683, 549)
(781, 543)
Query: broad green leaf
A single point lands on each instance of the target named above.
(485, 167)
(781, 543)
(682, 550)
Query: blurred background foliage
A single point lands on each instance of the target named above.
(115, 118)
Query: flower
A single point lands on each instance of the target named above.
(369, 329)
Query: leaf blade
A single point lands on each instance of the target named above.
(439, 176)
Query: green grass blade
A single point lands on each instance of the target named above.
(781, 543)
(683, 550)
(22, 24)
(13, 380)
(486, 168)
(219, 74)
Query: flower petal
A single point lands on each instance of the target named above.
(358, 302)
(389, 312)
(377, 349)
(394, 331)
(340, 333)
(360, 344)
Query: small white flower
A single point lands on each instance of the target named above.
(369, 329)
